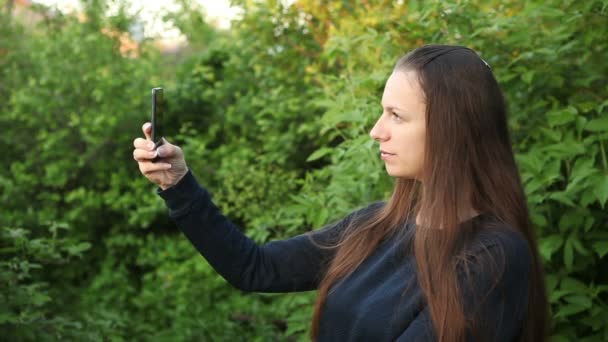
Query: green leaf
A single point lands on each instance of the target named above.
(5, 317)
(568, 255)
(569, 310)
(551, 282)
(561, 116)
(601, 189)
(564, 149)
(582, 169)
(548, 245)
(79, 248)
(39, 299)
(570, 220)
(538, 219)
(16, 233)
(581, 300)
(573, 285)
(601, 248)
(319, 153)
(578, 246)
(556, 295)
(562, 197)
(597, 125)
(527, 76)
(321, 218)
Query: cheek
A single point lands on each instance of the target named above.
(413, 148)
(412, 142)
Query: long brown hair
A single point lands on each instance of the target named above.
(468, 159)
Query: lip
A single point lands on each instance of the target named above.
(385, 155)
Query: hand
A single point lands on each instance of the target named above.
(169, 169)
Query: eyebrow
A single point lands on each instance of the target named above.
(390, 108)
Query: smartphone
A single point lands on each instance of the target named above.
(158, 114)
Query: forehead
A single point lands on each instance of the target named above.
(402, 90)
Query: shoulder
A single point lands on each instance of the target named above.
(497, 254)
(496, 237)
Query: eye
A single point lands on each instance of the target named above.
(395, 116)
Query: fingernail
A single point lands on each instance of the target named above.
(150, 145)
(169, 166)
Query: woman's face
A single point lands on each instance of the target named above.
(400, 130)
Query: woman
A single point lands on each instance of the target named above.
(450, 256)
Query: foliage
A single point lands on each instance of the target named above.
(274, 117)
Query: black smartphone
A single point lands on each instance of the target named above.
(158, 114)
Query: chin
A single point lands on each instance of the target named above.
(397, 174)
(400, 174)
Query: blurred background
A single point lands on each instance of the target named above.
(272, 102)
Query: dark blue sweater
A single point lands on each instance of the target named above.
(372, 304)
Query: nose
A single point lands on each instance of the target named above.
(378, 133)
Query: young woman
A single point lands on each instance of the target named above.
(450, 256)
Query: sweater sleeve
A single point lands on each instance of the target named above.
(294, 264)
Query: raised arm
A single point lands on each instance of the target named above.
(294, 264)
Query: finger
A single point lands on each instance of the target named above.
(147, 129)
(148, 168)
(143, 155)
(143, 144)
(167, 150)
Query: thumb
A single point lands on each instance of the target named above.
(166, 149)
(147, 129)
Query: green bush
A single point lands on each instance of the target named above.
(274, 117)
